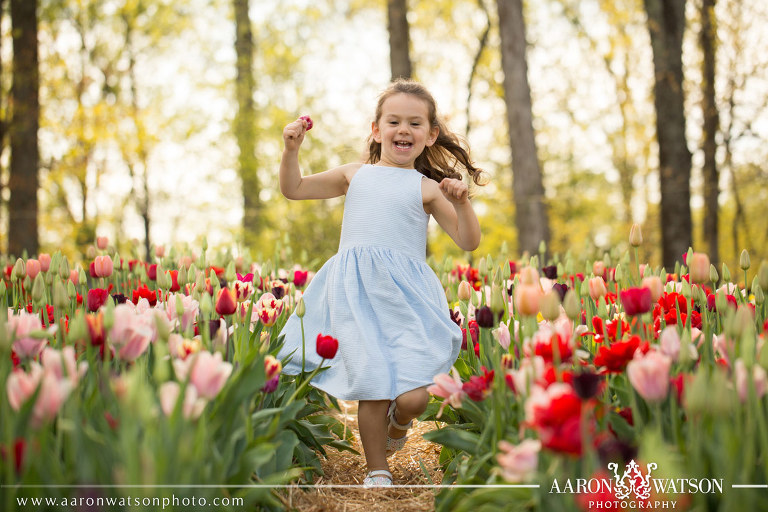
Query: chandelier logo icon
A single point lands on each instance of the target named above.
(632, 481)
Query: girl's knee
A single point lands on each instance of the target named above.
(413, 402)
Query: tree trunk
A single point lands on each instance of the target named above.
(531, 217)
(25, 156)
(666, 24)
(245, 123)
(707, 41)
(399, 39)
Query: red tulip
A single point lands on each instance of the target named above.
(300, 278)
(96, 298)
(636, 301)
(478, 387)
(327, 346)
(226, 303)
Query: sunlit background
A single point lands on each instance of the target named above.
(138, 106)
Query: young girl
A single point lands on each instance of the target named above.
(377, 295)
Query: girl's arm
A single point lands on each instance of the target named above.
(323, 185)
(448, 202)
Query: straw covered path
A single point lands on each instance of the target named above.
(416, 464)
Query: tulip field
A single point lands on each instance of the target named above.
(582, 385)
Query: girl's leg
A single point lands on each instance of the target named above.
(408, 406)
(371, 420)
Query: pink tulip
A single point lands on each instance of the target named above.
(449, 388)
(522, 380)
(74, 276)
(190, 309)
(160, 251)
(45, 261)
(501, 334)
(649, 375)
(698, 268)
(103, 266)
(654, 284)
(741, 379)
(19, 328)
(465, 291)
(519, 463)
(597, 288)
(20, 386)
(529, 275)
(63, 364)
(209, 373)
(131, 333)
(192, 407)
(33, 268)
(527, 297)
(102, 242)
(53, 393)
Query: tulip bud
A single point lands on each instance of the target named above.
(726, 273)
(19, 270)
(721, 301)
(550, 305)
(597, 288)
(82, 280)
(762, 275)
(571, 305)
(713, 277)
(301, 308)
(181, 277)
(60, 297)
(38, 289)
(698, 267)
(758, 291)
(744, 262)
(205, 244)
(497, 299)
(465, 291)
(206, 305)
(3, 289)
(482, 267)
(229, 273)
(635, 236)
(618, 273)
(542, 247)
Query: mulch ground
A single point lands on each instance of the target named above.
(416, 464)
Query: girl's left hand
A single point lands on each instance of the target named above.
(455, 191)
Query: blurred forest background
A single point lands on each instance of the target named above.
(158, 122)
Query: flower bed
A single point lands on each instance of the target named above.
(621, 388)
(134, 385)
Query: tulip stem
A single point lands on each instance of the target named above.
(303, 349)
(304, 384)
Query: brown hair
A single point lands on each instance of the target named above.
(448, 153)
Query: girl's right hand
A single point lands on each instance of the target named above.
(293, 134)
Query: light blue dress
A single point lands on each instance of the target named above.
(377, 296)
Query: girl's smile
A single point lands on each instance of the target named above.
(403, 130)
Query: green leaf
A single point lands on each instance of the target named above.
(468, 442)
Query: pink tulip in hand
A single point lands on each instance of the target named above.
(308, 119)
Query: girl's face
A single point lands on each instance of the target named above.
(403, 130)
